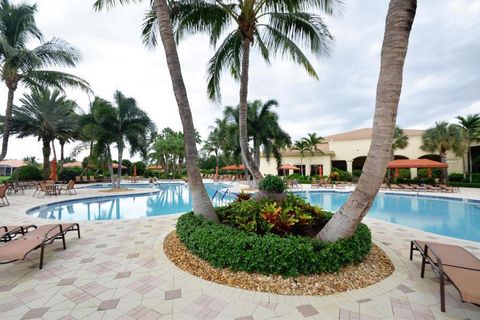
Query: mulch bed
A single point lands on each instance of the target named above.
(376, 267)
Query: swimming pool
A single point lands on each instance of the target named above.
(446, 216)
(457, 218)
(170, 199)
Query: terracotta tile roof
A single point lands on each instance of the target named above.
(366, 133)
(12, 163)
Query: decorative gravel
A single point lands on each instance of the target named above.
(376, 267)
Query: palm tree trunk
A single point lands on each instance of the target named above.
(470, 163)
(110, 167)
(443, 159)
(62, 153)
(200, 200)
(46, 159)
(119, 170)
(343, 224)
(7, 126)
(256, 153)
(242, 115)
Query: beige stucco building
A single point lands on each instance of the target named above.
(348, 150)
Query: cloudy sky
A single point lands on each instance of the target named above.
(442, 71)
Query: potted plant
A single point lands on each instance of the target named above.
(271, 187)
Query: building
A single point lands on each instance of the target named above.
(348, 151)
(7, 167)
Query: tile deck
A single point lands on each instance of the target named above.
(116, 272)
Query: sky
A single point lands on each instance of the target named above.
(441, 75)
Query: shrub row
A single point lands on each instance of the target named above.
(226, 247)
(465, 184)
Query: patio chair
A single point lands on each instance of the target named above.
(7, 233)
(18, 249)
(46, 191)
(315, 183)
(3, 196)
(15, 188)
(69, 188)
(394, 186)
(78, 179)
(454, 263)
(91, 179)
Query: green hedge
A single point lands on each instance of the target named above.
(465, 184)
(226, 247)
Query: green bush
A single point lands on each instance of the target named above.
(68, 174)
(300, 178)
(465, 184)
(456, 177)
(29, 173)
(141, 167)
(356, 173)
(272, 183)
(227, 247)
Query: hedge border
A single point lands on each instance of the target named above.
(226, 247)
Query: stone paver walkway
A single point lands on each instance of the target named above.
(117, 270)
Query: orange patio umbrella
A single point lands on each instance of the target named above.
(287, 166)
(415, 163)
(53, 174)
(234, 167)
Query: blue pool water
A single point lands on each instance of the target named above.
(450, 217)
(171, 198)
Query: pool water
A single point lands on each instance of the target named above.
(446, 216)
(171, 199)
(449, 217)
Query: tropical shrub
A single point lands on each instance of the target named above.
(272, 183)
(29, 173)
(242, 196)
(334, 176)
(356, 172)
(342, 175)
(293, 215)
(224, 246)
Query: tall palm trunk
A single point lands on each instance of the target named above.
(62, 153)
(242, 115)
(200, 200)
(119, 169)
(110, 167)
(256, 153)
(343, 224)
(46, 159)
(443, 159)
(7, 126)
(470, 162)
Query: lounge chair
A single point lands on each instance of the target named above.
(432, 188)
(394, 186)
(315, 183)
(7, 233)
(69, 188)
(18, 249)
(446, 188)
(454, 263)
(406, 187)
(3, 196)
(91, 179)
(78, 179)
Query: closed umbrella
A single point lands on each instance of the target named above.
(234, 167)
(53, 174)
(134, 170)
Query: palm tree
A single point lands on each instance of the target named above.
(74, 121)
(21, 65)
(312, 141)
(400, 141)
(277, 29)
(98, 136)
(301, 146)
(200, 200)
(343, 224)
(470, 126)
(441, 138)
(44, 114)
(127, 123)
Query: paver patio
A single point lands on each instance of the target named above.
(117, 270)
